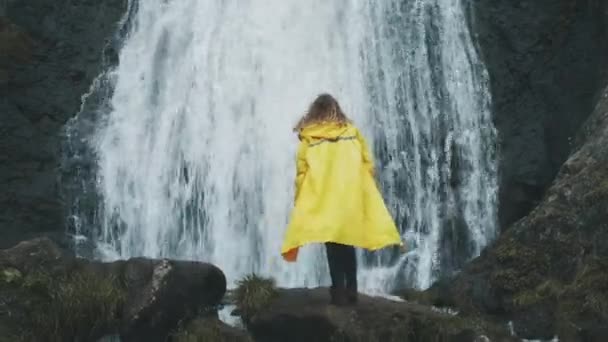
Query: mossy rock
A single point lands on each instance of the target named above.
(564, 309)
(55, 297)
(10, 275)
(307, 315)
(548, 290)
(46, 307)
(586, 299)
(207, 329)
(70, 307)
(429, 297)
(521, 268)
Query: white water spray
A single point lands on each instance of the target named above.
(195, 157)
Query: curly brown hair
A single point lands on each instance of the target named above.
(325, 108)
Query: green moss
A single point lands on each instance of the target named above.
(585, 300)
(198, 332)
(479, 326)
(508, 251)
(603, 185)
(39, 281)
(588, 294)
(526, 298)
(457, 324)
(208, 330)
(511, 279)
(428, 327)
(428, 297)
(253, 293)
(522, 267)
(74, 306)
(550, 289)
(10, 275)
(513, 253)
(597, 303)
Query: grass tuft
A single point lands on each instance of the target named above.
(253, 293)
(73, 307)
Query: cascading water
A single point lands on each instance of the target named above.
(192, 141)
(430, 107)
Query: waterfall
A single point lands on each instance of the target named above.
(190, 150)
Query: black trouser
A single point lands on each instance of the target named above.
(342, 262)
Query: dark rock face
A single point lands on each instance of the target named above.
(305, 315)
(47, 295)
(50, 51)
(549, 272)
(547, 62)
(167, 292)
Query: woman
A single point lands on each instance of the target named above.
(336, 198)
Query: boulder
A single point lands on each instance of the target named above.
(548, 272)
(306, 315)
(48, 295)
(164, 293)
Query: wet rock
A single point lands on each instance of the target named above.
(48, 295)
(547, 64)
(548, 272)
(203, 329)
(50, 51)
(169, 292)
(17, 45)
(305, 315)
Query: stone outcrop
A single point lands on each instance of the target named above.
(46, 295)
(547, 61)
(306, 315)
(548, 273)
(50, 51)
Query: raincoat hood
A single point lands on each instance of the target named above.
(326, 131)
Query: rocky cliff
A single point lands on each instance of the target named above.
(548, 273)
(547, 61)
(50, 51)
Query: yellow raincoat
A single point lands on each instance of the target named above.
(337, 199)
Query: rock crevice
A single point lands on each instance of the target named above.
(547, 64)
